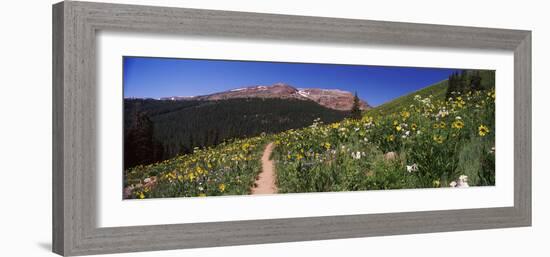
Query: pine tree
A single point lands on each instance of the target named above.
(356, 108)
(452, 85)
(139, 147)
(475, 81)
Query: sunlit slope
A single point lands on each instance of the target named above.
(437, 90)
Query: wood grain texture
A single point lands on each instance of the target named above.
(522, 128)
(57, 124)
(74, 124)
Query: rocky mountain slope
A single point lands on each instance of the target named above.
(331, 98)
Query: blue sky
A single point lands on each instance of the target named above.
(147, 77)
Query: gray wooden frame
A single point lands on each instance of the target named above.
(74, 129)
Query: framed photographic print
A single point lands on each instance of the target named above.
(183, 128)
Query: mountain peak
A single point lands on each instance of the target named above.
(331, 98)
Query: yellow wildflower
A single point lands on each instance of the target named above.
(367, 119)
(405, 115)
(222, 187)
(491, 94)
(200, 170)
(457, 124)
(483, 130)
(438, 139)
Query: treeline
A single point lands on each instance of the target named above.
(177, 127)
(470, 80)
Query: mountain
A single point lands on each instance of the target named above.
(331, 98)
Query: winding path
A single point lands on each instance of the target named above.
(266, 180)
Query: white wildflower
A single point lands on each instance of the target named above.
(461, 182)
(412, 168)
(442, 113)
(426, 101)
(356, 155)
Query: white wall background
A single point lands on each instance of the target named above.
(25, 128)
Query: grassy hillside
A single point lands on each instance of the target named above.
(229, 168)
(437, 90)
(427, 143)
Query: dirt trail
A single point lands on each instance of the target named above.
(266, 179)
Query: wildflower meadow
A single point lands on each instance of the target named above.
(428, 144)
(439, 136)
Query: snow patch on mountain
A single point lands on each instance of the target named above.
(303, 93)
